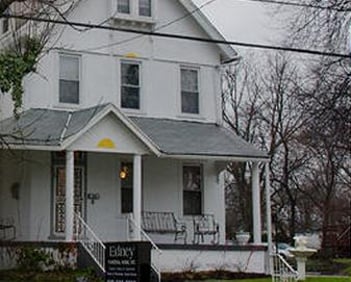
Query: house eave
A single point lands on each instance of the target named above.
(215, 157)
(228, 53)
(30, 147)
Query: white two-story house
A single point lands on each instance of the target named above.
(115, 124)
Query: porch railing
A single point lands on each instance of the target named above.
(282, 270)
(90, 241)
(132, 228)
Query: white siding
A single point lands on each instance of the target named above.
(161, 59)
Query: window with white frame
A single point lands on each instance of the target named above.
(192, 189)
(69, 79)
(142, 8)
(189, 79)
(123, 6)
(130, 85)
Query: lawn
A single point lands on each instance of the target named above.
(309, 279)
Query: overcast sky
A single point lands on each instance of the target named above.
(243, 20)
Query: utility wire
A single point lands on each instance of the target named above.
(184, 37)
(287, 3)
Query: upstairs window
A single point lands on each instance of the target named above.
(123, 6)
(135, 8)
(145, 8)
(130, 85)
(192, 189)
(69, 79)
(189, 91)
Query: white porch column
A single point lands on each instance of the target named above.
(137, 196)
(256, 205)
(268, 216)
(69, 204)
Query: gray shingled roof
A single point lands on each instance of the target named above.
(194, 138)
(46, 127)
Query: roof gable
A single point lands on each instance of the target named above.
(228, 53)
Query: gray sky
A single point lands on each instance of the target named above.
(242, 20)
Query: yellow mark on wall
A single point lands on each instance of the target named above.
(131, 55)
(106, 143)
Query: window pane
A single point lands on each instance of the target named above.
(189, 80)
(191, 202)
(130, 97)
(69, 68)
(127, 200)
(145, 8)
(69, 79)
(69, 91)
(130, 88)
(189, 93)
(123, 6)
(190, 102)
(130, 74)
(192, 190)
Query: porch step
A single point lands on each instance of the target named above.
(84, 261)
(154, 276)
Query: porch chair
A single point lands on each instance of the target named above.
(7, 227)
(163, 223)
(205, 224)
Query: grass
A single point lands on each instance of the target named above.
(346, 263)
(341, 266)
(62, 276)
(309, 279)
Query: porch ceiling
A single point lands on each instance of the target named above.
(48, 129)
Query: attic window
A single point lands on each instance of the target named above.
(135, 8)
(123, 6)
(145, 8)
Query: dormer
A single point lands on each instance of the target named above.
(137, 14)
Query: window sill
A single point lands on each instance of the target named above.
(133, 112)
(53, 237)
(195, 117)
(133, 22)
(67, 106)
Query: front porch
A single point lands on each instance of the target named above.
(109, 169)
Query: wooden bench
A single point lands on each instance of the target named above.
(163, 223)
(7, 226)
(205, 224)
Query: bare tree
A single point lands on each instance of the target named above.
(262, 106)
(242, 104)
(327, 136)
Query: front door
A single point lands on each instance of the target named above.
(59, 191)
(60, 195)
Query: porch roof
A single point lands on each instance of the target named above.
(49, 129)
(186, 138)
